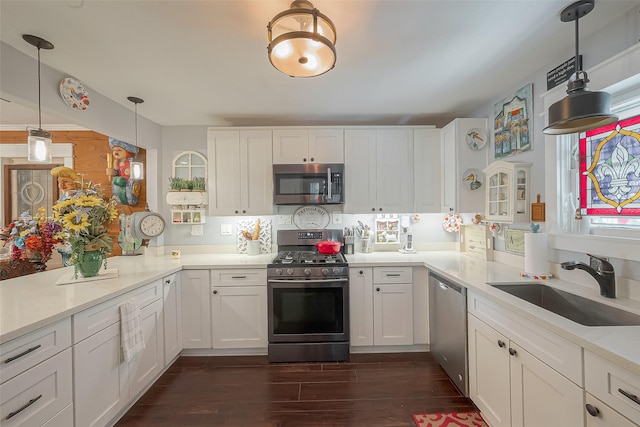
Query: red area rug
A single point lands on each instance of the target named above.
(450, 419)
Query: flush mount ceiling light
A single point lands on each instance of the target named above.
(39, 141)
(136, 172)
(581, 109)
(302, 41)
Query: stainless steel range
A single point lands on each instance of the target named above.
(308, 297)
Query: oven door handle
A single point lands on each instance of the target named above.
(343, 279)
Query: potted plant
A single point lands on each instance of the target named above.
(175, 184)
(198, 184)
(84, 218)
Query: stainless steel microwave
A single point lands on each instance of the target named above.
(308, 184)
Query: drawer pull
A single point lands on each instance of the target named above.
(238, 277)
(393, 274)
(630, 396)
(26, 405)
(592, 410)
(24, 353)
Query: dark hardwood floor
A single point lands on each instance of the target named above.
(369, 390)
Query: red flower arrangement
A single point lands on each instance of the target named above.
(33, 238)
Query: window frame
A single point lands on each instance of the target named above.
(619, 76)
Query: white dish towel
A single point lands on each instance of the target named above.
(132, 335)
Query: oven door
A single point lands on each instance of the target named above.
(308, 310)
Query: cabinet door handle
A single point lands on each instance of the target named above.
(24, 353)
(304, 159)
(501, 344)
(26, 405)
(360, 272)
(592, 410)
(312, 159)
(630, 396)
(512, 351)
(167, 281)
(377, 289)
(373, 209)
(236, 211)
(215, 292)
(244, 211)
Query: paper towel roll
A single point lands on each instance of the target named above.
(535, 253)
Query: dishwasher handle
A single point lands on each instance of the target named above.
(445, 286)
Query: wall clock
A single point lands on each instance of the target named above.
(311, 217)
(146, 225)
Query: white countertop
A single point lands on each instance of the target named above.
(30, 302)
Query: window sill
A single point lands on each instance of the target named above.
(616, 247)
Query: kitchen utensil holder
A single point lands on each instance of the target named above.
(366, 245)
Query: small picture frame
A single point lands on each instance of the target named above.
(514, 241)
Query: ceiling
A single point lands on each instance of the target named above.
(205, 62)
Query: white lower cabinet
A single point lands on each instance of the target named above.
(613, 391)
(147, 365)
(104, 383)
(239, 309)
(196, 309)
(381, 306)
(101, 380)
(361, 306)
(34, 397)
(601, 415)
(508, 383)
(172, 317)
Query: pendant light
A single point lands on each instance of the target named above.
(302, 41)
(136, 167)
(39, 141)
(581, 109)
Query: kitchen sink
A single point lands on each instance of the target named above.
(573, 307)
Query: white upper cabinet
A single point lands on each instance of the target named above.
(296, 146)
(240, 172)
(507, 192)
(426, 170)
(379, 170)
(464, 148)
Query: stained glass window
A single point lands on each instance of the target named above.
(610, 169)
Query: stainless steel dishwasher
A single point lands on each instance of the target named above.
(448, 328)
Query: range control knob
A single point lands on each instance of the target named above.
(307, 271)
(336, 270)
(289, 271)
(325, 271)
(279, 271)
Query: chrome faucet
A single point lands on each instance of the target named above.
(601, 270)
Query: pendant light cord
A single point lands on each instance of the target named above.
(39, 95)
(136, 127)
(578, 65)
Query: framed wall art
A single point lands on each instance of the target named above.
(513, 125)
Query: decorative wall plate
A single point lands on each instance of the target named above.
(472, 179)
(74, 94)
(451, 223)
(476, 139)
(311, 216)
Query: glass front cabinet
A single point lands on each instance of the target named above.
(507, 192)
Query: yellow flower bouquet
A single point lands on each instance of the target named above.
(84, 217)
